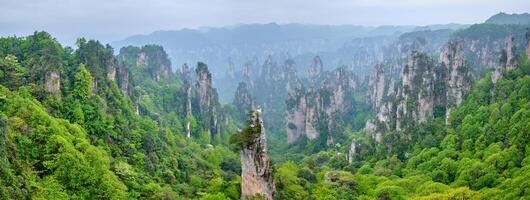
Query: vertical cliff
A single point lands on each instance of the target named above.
(243, 99)
(207, 98)
(314, 109)
(458, 79)
(52, 83)
(316, 70)
(256, 172)
(296, 109)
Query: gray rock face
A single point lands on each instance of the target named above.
(458, 80)
(141, 59)
(111, 70)
(123, 79)
(412, 99)
(296, 113)
(508, 59)
(256, 174)
(207, 98)
(53, 82)
(156, 60)
(316, 69)
(312, 110)
(243, 99)
(354, 150)
(382, 97)
(511, 57)
(417, 90)
(187, 87)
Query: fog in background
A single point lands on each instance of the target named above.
(114, 20)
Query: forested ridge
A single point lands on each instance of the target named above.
(89, 123)
(99, 137)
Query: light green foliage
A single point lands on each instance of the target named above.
(11, 72)
(481, 154)
(83, 83)
(89, 143)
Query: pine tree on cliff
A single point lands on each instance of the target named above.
(256, 174)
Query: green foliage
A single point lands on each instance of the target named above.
(481, 153)
(88, 142)
(11, 72)
(252, 131)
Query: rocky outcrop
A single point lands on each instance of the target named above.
(458, 80)
(354, 150)
(315, 70)
(313, 110)
(208, 99)
(187, 88)
(141, 59)
(123, 79)
(382, 96)
(256, 172)
(270, 89)
(243, 99)
(156, 60)
(508, 60)
(248, 74)
(412, 99)
(53, 82)
(417, 91)
(111, 70)
(511, 57)
(296, 115)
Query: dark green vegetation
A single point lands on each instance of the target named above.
(113, 127)
(249, 133)
(85, 141)
(484, 153)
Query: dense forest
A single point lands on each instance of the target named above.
(87, 122)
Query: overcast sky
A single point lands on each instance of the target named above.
(110, 20)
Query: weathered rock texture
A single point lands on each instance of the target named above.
(256, 174)
(243, 99)
(187, 88)
(208, 99)
(313, 110)
(458, 78)
(426, 89)
(416, 92)
(53, 82)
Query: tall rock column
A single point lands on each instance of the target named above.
(185, 71)
(458, 78)
(417, 91)
(508, 59)
(256, 174)
(53, 82)
(295, 116)
(315, 70)
(243, 99)
(208, 98)
(511, 57)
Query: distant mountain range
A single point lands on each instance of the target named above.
(228, 49)
(503, 18)
(238, 44)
